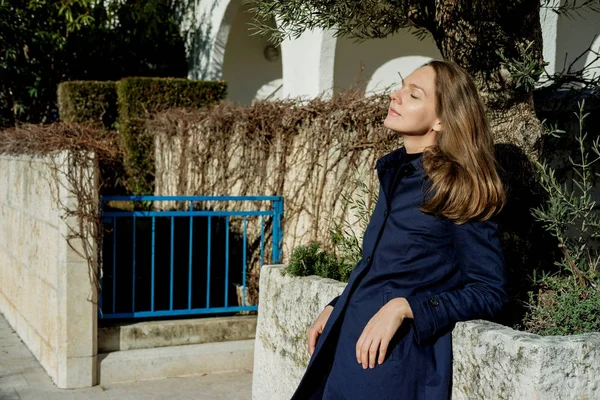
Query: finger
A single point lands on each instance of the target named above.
(383, 347)
(364, 353)
(312, 341)
(373, 352)
(359, 343)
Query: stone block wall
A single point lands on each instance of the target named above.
(491, 361)
(46, 293)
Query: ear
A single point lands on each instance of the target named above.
(437, 125)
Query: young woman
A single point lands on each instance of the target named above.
(431, 254)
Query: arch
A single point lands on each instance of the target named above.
(374, 65)
(237, 57)
(225, 19)
(388, 76)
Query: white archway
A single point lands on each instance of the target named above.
(388, 76)
(249, 62)
(376, 64)
(221, 48)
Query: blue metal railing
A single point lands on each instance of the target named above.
(144, 279)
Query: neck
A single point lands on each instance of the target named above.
(417, 144)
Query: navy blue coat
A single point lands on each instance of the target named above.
(447, 272)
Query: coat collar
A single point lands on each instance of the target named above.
(393, 167)
(396, 158)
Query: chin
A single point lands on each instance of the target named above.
(390, 125)
(394, 127)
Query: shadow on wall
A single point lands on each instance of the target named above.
(199, 39)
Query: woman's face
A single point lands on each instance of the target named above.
(412, 107)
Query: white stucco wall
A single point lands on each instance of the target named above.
(549, 22)
(206, 25)
(308, 64)
(567, 36)
(574, 35)
(45, 290)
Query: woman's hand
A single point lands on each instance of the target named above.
(379, 331)
(317, 328)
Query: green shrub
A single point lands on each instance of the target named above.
(346, 249)
(88, 101)
(312, 260)
(137, 99)
(563, 306)
(568, 301)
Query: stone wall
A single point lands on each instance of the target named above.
(491, 361)
(45, 289)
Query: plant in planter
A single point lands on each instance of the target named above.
(336, 259)
(568, 301)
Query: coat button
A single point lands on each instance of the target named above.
(433, 301)
(369, 260)
(385, 212)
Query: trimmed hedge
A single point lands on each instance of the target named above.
(88, 101)
(137, 99)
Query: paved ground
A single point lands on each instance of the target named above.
(22, 377)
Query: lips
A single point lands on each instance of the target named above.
(394, 112)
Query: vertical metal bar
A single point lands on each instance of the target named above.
(226, 260)
(275, 236)
(262, 240)
(171, 279)
(190, 258)
(114, 282)
(208, 269)
(133, 269)
(152, 256)
(245, 265)
(100, 271)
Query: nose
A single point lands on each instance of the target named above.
(395, 96)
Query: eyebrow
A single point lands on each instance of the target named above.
(415, 86)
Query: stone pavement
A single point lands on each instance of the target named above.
(23, 378)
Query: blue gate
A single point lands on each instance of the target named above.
(182, 262)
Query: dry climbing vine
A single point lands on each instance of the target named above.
(311, 153)
(81, 159)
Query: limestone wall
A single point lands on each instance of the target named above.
(45, 289)
(490, 361)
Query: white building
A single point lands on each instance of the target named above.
(221, 46)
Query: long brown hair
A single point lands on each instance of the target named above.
(461, 167)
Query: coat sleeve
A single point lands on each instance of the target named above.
(479, 257)
(333, 301)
